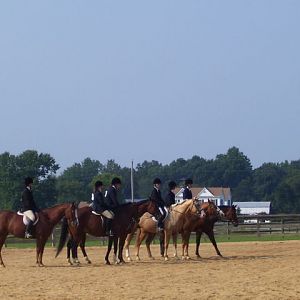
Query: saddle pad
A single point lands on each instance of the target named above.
(95, 213)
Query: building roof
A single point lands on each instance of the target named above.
(253, 204)
(216, 191)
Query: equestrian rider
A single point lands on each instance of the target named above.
(28, 206)
(111, 199)
(99, 206)
(156, 196)
(187, 193)
(170, 197)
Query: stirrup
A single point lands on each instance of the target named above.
(28, 235)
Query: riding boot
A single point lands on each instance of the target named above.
(108, 230)
(28, 231)
(160, 224)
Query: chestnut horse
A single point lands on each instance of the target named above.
(12, 223)
(125, 216)
(175, 222)
(229, 214)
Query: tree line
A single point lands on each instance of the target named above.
(275, 182)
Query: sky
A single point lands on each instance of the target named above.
(150, 80)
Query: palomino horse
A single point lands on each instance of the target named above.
(125, 215)
(229, 214)
(12, 223)
(173, 224)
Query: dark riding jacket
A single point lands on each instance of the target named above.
(111, 198)
(156, 196)
(187, 194)
(99, 204)
(169, 199)
(27, 202)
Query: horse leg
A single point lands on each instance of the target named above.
(139, 240)
(174, 236)
(82, 247)
(149, 240)
(127, 244)
(2, 240)
(211, 236)
(69, 248)
(162, 243)
(116, 242)
(198, 239)
(109, 246)
(187, 241)
(40, 249)
(167, 241)
(121, 246)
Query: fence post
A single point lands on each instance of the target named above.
(282, 227)
(258, 227)
(228, 231)
(52, 239)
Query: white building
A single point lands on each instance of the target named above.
(253, 208)
(219, 195)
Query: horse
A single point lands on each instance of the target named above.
(229, 214)
(12, 223)
(192, 223)
(173, 224)
(125, 216)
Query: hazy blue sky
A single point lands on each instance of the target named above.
(150, 79)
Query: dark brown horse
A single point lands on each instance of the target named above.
(229, 214)
(125, 217)
(12, 223)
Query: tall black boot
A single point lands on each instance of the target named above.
(108, 226)
(28, 231)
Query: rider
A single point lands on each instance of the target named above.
(156, 196)
(187, 193)
(111, 200)
(28, 206)
(100, 207)
(170, 197)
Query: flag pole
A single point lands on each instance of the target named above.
(132, 195)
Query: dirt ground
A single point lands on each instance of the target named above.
(250, 270)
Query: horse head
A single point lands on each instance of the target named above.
(71, 215)
(231, 215)
(153, 209)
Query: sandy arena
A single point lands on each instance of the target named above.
(252, 270)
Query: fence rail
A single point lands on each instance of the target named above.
(255, 225)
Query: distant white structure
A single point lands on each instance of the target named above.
(253, 208)
(219, 195)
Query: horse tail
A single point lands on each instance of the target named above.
(63, 236)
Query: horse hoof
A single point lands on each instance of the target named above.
(166, 258)
(2, 265)
(151, 258)
(198, 256)
(88, 260)
(182, 257)
(129, 258)
(187, 258)
(137, 258)
(107, 263)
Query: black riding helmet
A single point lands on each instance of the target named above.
(28, 180)
(188, 181)
(156, 181)
(172, 185)
(116, 180)
(98, 183)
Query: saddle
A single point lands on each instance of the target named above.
(26, 220)
(166, 215)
